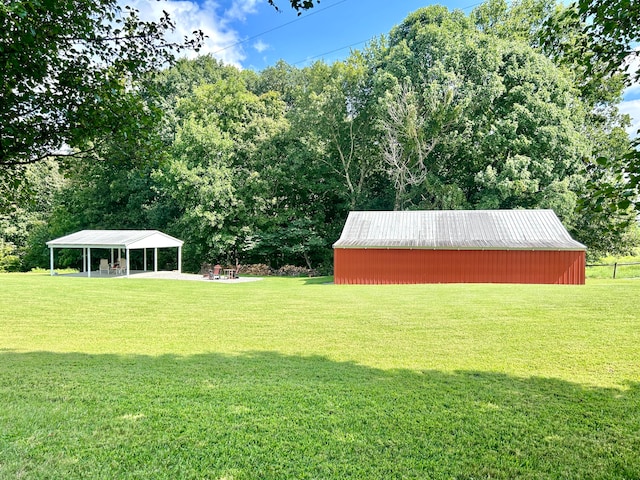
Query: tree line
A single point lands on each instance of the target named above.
(489, 110)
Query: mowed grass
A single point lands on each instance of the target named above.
(298, 378)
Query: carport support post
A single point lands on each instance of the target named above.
(145, 259)
(89, 262)
(155, 259)
(179, 259)
(51, 259)
(128, 264)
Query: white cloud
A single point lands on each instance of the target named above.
(632, 93)
(240, 9)
(260, 46)
(188, 16)
(632, 108)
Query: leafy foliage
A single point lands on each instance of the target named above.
(70, 76)
(599, 39)
(449, 111)
(613, 28)
(478, 121)
(299, 5)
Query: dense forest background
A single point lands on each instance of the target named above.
(447, 111)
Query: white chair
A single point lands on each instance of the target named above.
(104, 266)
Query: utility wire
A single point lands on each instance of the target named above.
(297, 19)
(330, 51)
(363, 41)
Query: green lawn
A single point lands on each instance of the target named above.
(297, 378)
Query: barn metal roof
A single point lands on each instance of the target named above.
(457, 230)
(131, 239)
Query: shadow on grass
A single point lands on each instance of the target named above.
(264, 415)
(319, 281)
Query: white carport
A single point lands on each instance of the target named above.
(126, 240)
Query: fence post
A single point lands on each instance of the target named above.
(615, 266)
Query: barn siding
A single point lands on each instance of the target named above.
(392, 266)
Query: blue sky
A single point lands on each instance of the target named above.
(250, 34)
(326, 32)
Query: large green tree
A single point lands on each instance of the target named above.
(478, 121)
(210, 174)
(18, 224)
(599, 40)
(70, 76)
(610, 32)
(332, 111)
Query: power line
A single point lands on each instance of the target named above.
(363, 41)
(330, 51)
(307, 15)
(297, 19)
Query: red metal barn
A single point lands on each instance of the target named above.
(457, 246)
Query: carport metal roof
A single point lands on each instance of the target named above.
(128, 239)
(120, 239)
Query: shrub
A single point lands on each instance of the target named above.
(293, 271)
(9, 260)
(258, 269)
(262, 270)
